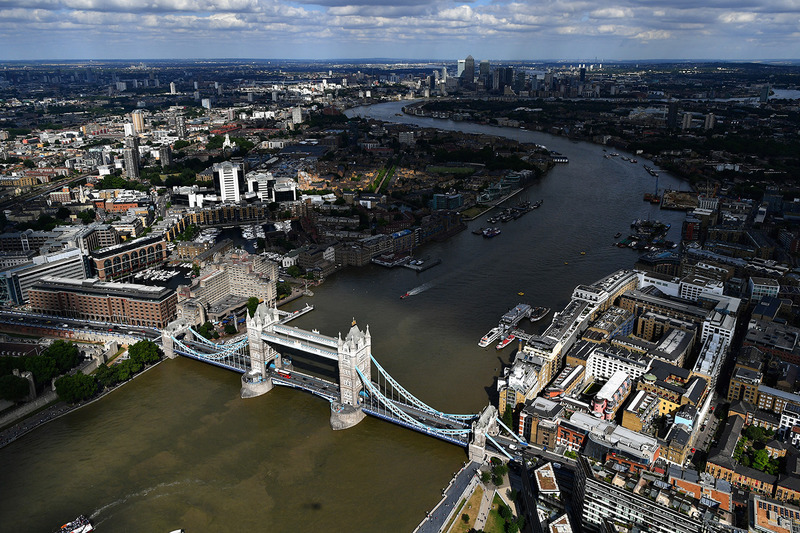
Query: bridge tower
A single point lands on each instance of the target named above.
(257, 381)
(174, 329)
(486, 424)
(354, 355)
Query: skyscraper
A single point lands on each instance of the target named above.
(165, 155)
(229, 180)
(484, 68)
(131, 158)
(672, 115)
(180, 126)
(469, 69)
(137, 117)
(461, 67)
(173, 89)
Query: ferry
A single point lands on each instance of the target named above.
(505, 342)
(79, 525)
(490, 337)
(539, 313)
(512, 317)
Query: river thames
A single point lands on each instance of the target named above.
(177, 447)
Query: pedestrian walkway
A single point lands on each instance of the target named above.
(485, 508)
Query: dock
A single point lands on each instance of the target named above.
(420, 265)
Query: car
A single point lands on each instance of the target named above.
(556, 465)
(693, 450)
(512, 446)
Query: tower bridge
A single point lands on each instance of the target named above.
(261, 356)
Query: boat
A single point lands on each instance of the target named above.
(539, 313)
(617, 235)
(79, 525)
(406, 295)
(490, 337)
(478, 231)
(491, 232)
(505, 342)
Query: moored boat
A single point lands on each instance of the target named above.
(505, 342)
(490, 337)
(538, 313)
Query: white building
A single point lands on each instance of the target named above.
(760, 287)
(229, 180)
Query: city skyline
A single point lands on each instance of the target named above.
(331, 29)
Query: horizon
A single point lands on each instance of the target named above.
(401, 60)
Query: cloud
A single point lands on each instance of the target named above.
(314, 28)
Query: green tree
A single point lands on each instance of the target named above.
(76, 388)
(760, 459)
(486, 477)
(284, 289)
(252, 305)
(28, 164)
(230, 329)
(465, 518)
(106, 376)
(144, 352)
(42, 367)
(294, 271)
(13, 388)
(62, 213)
(87, 216)
(65, 354)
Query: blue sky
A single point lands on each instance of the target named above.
(441, 29)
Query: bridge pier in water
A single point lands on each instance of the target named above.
(354, 357)
(257, 380)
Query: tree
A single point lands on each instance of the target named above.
(252, 304)
(486, 477)
(230, 329)
(760, 459)
(284, 289)
(294, 271)
(76, 388)
(62, 213)
(65, 355)
(465, 518)
(28, 164)
(13, 388)
(42, 367)
(144, 352)
(87, 216)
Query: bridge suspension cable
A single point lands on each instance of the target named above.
(389, 404)
(414, 400)
(229, 350)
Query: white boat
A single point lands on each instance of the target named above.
(79, 525)
(490, 337)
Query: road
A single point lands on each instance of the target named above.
(60, 324)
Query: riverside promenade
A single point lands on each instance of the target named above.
(462, 485)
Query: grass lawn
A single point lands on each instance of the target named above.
(495, 522)
(471, 508)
